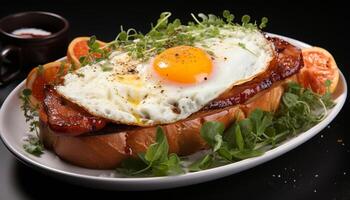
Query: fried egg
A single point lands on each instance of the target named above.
(171, 85)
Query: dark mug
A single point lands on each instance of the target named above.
(20, 50)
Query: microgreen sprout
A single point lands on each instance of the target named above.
(166, 34)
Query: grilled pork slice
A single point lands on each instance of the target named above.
(67, 118)
(288, 61)
(104, 147)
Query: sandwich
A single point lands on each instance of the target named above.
(108, 104)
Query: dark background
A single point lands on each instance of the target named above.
(318, 169)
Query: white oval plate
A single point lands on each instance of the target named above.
(13, 128)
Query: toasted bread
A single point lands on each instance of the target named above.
(107, 151)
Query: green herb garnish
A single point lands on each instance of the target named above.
(263, 23)
(95, 54)
(72, 68)
(228, 16)
(40, 69)
(32, 144)
(212, 133)
(243, 46)
(166, 34)
(155, 161)
(300, 109)
(80, 75)
(61, 70)
(327, 97)
(106, 67)
(261, 131)
(204, 163)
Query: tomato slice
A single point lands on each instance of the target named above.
(78, 48)
(319, 66)
(50, 73)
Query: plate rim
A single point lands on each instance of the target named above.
(210, 174)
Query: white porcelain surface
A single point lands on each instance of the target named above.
(13, 128)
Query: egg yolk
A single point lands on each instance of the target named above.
(183, 64)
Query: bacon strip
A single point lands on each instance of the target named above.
(67, 118)
(288, 62)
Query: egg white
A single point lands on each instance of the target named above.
(132, 93)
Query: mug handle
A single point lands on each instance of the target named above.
(9, 75)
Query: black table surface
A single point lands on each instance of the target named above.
(318, 169)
